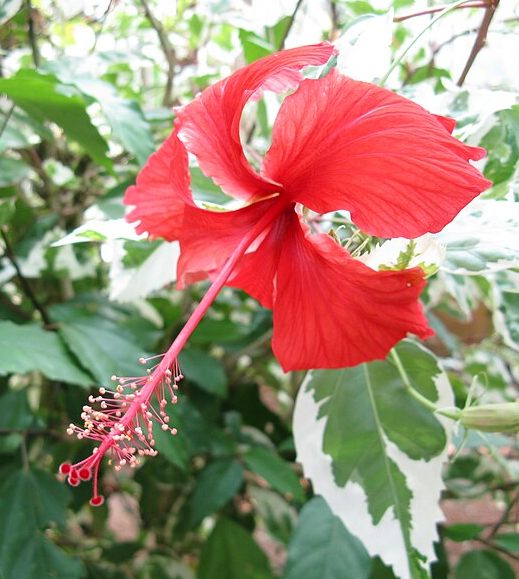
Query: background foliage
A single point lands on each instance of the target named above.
(87, 94)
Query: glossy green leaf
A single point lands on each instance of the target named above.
(484, 564)
(125, 116)
(28, 347)
(102, 348)
(29, 502)
(274, 470)
(232, 553)
(44, 98)
(322, 547)
(216, 486)
(204, 370)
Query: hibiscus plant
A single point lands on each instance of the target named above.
(259, 290)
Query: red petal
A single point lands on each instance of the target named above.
(161, 192)
(210, 125)
(447, 122)
(332, 311)
(209, 238)
(258, 269)
(344, 144)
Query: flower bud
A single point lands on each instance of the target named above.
(501, 417)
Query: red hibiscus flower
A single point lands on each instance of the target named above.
(336, 144)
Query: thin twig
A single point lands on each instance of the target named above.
(9, 253)
(281, 44)
(334, 14)
(169, 52)
(6, 119)
(428, 11)
(505, 515)
(479, 43)
(497, 548)
(32, 34)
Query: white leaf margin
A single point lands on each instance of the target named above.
(349, 503)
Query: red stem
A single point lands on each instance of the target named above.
(481, 4)
(171, 355)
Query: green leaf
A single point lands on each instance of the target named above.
(508, 541)
(484, 564)
(231, 553)
(216, 486)
(102, 348)
(205, 189)
(204, 370)
(125, 117)
(254, 47)
(355, 418)
(8, 8)
(7, 210)
(12, 171)
(29, 502)
(27, 348)
(16, 412)
(506, 313)
(322, 547)
(44, 98)
(462, 532)
(274, 470)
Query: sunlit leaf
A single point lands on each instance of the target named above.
(44, 98)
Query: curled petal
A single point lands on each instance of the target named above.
(344, 144)
(210, 125)
(161, 192)
(332, 311)
(210, 237)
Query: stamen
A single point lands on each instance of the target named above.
(122, 422)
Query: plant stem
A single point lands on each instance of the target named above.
(407, 384)
(289, 25)
(435, 9)
(402, 54)
(479, 43)
(170, 357)
(167, 48)
(32, 34)
(6, 119)
(9, 253)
